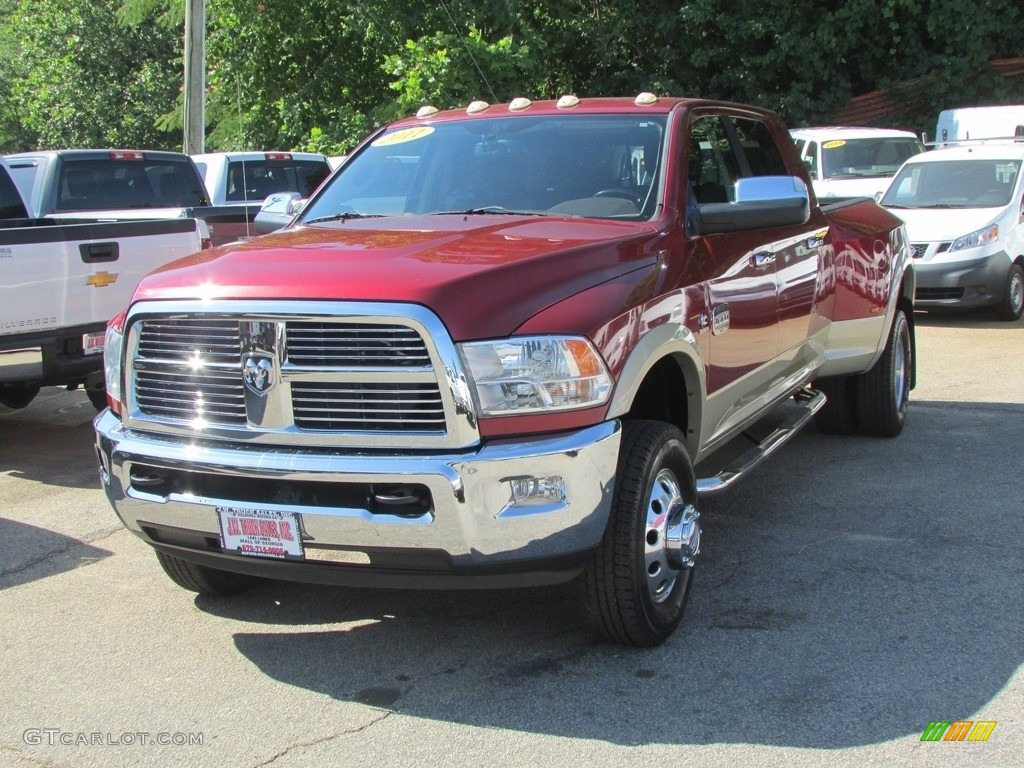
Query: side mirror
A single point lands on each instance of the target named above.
(284, 203)
(761, 202)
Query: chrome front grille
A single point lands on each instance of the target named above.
(304, 374)
(334, 344)
(359, 406)
(188, 369)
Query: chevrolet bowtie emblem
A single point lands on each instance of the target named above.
(102, 279)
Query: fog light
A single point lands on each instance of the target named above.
(530, 495)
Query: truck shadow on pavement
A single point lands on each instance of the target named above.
(851, 591)
(36, 442)
(29, 553)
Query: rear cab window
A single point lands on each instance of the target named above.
(102, 184)
(11, 205)
(256, 179)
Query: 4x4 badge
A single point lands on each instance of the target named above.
(258, 373)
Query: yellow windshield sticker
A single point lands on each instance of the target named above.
(833, 144)
(400, 137)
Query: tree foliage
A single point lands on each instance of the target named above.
(321, 74)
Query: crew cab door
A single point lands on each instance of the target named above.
(749, 274)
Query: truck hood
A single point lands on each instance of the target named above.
(483, 275)
(932, 225)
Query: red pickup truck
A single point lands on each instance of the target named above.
(492, 350)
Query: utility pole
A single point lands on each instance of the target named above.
(195, 77)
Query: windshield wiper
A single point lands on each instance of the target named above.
(343, 217)
(488, 210)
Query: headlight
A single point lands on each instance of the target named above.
(535, 373)
(112, 349)
(973, 240)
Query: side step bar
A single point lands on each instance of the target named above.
(811, 402)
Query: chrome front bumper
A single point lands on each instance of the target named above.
(472, 520)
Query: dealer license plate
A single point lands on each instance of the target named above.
(92, 343)
(260, 532)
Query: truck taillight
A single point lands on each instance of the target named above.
(277, 156)
(113, 349)
(119, 154)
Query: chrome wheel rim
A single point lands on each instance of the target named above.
(1016, 290)
(663, 499)
(901, 357)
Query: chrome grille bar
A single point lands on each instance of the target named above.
(297, 373)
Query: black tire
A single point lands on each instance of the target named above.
(884, 391)
(636, 588)
(98, 398)
(18, 396)
(1012, 305)
(203, 579)
(839, 414)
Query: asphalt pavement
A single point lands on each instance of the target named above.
(851, 592)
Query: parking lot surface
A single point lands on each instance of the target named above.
(851, 592)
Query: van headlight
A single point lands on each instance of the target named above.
(529, 374)
(973, 240)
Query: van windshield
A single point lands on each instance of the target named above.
(972, 183)
(601, 166)
(867, 157)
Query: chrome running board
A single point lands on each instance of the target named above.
(810, 400)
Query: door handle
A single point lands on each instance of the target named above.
(762, 259)
(94, 253)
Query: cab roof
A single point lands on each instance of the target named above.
(992, 150)
(829, 133)
(644, 102)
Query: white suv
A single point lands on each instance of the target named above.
(853, 162)
(964, 209)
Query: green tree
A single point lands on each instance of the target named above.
(87, 80)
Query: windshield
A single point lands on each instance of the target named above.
(851, 158)
(601, 166)
(972, 183)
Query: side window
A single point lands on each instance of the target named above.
(759, 148)
(811, 159)
(712, 169)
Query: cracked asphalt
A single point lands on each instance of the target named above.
(851, 591)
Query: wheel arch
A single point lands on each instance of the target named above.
(663, 380)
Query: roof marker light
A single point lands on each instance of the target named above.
(645, 99)
(567, 102)
(426, 111)
(476, 106)
(519, 104)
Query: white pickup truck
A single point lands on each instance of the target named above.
(244, 180)
(61, 283)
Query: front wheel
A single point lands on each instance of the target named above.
(18, 395)
(98, 398)
(1012, 305)
(202, 578)
(636, 588)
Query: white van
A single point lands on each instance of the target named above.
(978, 124)
(853, 162)
(964, 210)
